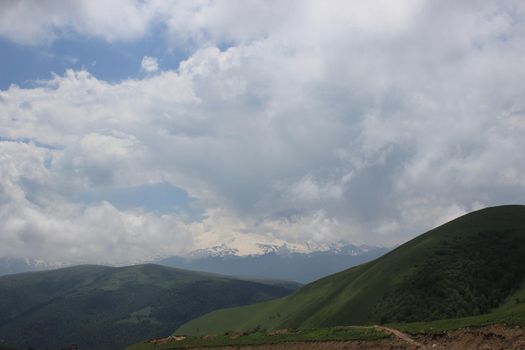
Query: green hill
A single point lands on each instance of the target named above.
(99, 307)
(466, 267)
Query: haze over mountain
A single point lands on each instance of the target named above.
(470, 266)
(10, 266)
(100, 307)
(277, 262)
(294, 263)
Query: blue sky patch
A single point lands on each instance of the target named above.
(161, 198)
(112, 62)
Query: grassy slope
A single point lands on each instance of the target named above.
(109, 308)
(511, 313)
(356, 296)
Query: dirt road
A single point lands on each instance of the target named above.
(403, 336)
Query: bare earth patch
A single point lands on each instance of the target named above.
(484, 338)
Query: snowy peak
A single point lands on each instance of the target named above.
(282, 248)
(215, 251)
(276, 261)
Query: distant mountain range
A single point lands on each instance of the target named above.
(16, 265)
(277, 262)
(473, 266)
(100, 307)
(274, 261)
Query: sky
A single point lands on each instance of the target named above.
(139, 129)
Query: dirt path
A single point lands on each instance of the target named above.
(403, 336)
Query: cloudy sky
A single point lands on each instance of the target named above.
(132, 129)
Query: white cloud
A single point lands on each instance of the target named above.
(35, 22)
(309, 189)
(367, 123)
(149, 64)
(198, 22)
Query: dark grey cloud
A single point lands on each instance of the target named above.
(326, 121)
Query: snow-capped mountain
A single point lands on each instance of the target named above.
(243, 257)
(336, 248)
(250, 245)
(215, 251)
(277, 261)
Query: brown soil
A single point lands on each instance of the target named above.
(484, 338)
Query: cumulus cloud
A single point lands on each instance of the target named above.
(320, 122)
(149, 64)
(35, 22)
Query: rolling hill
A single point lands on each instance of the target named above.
(100, 307)
(467, 267)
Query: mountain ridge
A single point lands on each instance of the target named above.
(195, 260)
(364, 294)
(280, 264)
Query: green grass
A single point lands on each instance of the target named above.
(256, 337)
(466, 267)
(511, 313)
(101, 307)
